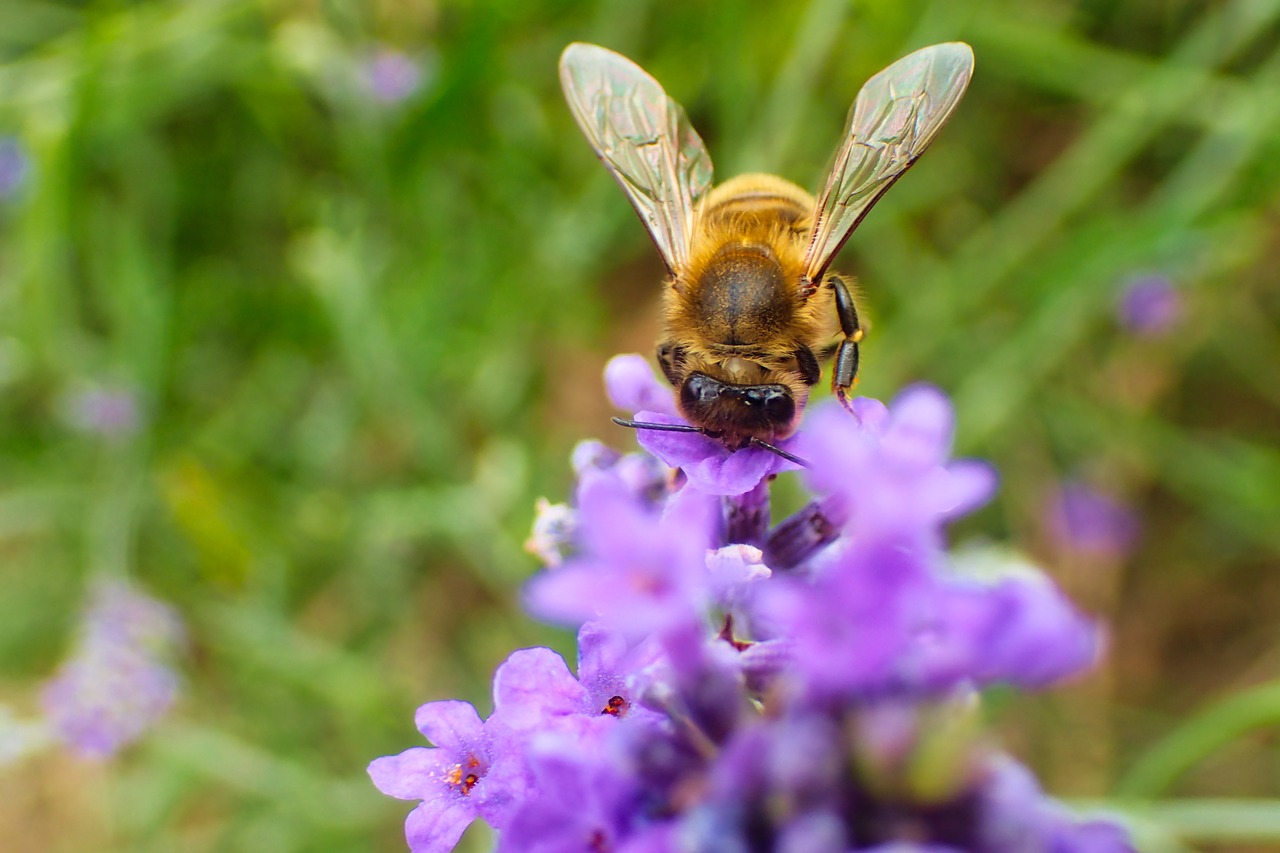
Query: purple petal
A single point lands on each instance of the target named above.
(532, 685)
(601, 651)
(813, 831)
(632, 386)
(436, 826)
(970, 484)
(920, 427)
(1095, 836)
(414, 774)
(1035, 636)
(872, 414)
(452, 725)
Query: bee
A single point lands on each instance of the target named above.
(749, 304)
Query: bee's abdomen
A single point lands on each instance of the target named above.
(741, 297)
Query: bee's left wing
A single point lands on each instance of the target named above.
(644, 139)
(894, 118)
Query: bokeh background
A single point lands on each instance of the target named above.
(302, 303)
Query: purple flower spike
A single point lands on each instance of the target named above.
(632, 386)
(746, 682)
(1149, 306)
(117, 683)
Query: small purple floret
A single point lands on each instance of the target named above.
(1150, 306)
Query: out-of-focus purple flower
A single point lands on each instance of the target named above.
(887, 470)
(117, 683)
(1016, 816)
(1029, 634)
(640, 571)
(578, 799)
(108, 412)
(871, 624)
(735, 573)
(393, 76)
(1082, 520)
(644, 475)
(632, 387)
(882, 619)
(1149, 305)
(15, 165)
(452, 779)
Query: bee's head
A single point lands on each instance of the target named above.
(738, 413)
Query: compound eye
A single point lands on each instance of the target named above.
(779, 408)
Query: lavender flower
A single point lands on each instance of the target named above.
(810, 687)
(1149, 306)
(117, 683)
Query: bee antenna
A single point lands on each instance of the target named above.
(790, 457)
(661, 427)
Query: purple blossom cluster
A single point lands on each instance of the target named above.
(117, 682)
(810, 685)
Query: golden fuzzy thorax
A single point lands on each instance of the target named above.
(738, 309)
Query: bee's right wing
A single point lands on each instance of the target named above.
(894, 118)
(644, 139)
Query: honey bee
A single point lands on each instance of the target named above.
(749, 303)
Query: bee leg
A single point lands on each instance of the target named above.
(844, 373)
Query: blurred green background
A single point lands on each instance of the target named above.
(303, 303)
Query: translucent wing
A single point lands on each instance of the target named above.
(894, 118)
(645, 140)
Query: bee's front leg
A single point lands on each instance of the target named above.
(844, 373)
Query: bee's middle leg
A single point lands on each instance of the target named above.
(844, 373)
